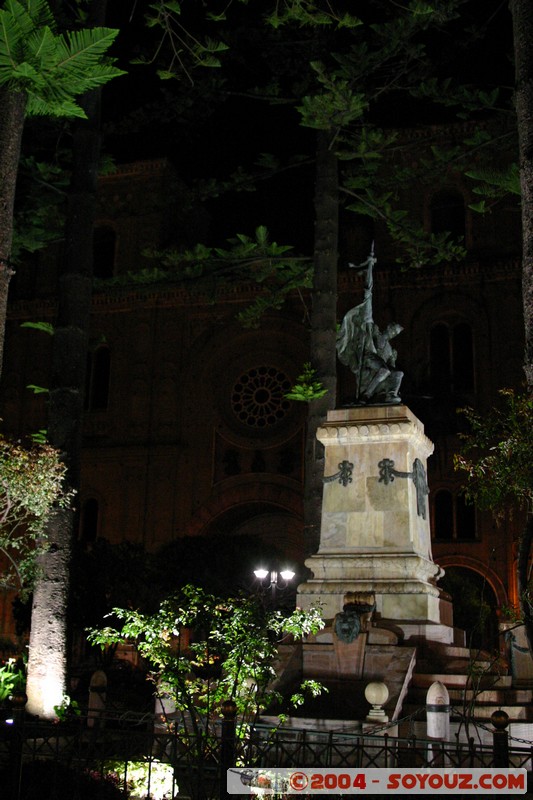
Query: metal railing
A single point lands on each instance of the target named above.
(293, 748)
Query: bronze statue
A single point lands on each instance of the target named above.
(367, 351)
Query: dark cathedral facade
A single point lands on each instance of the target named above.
(187, 428)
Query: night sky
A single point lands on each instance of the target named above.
(209, 133)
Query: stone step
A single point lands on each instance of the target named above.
(417, 701)
(481, 712)
(455, 665)
(443, 650)
(494, 696)
(457, 679)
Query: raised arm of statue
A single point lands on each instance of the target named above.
(366, 350)
(365, 307)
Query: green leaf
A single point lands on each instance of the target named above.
(37, 389)
(307, 387)
(46, 327)
(40, 436)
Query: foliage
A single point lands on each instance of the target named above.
(12, 678)
(38, 216)
(67, 709)
(45, 327)
(237, 632)
(247, 259)
(51, 68)
(493, 184)
(346, 87)
(308, 13)
(186, 49)
(498, 463)
(31, 485)
(334, 69)
(497, 453)
(307, 387)
(203, 650)
(139, 776)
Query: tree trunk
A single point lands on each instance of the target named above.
(47, 661)
(323, 331)
(13, 105)
(522, 14)
(526, 602)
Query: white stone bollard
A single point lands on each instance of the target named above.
(438, 712)
(438, 716)
(97, 697)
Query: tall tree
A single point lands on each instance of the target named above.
(47, 662)
(42, 72)
(47, 659)
(522, 15)
(323, 318)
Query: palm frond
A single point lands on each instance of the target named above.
(42, 44)
(11, 42)
(20, 18)
(82, 64)
(18, 23)
(37, 107)
(81, 50)
(52, 69)
(40, 12)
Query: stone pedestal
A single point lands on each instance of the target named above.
(375, 534)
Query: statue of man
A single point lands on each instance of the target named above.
(367, 351)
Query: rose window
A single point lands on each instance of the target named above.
(258, 397)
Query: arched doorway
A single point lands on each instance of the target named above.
(474, 606)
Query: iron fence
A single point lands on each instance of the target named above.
(79, 762)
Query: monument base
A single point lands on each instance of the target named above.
(375, 534)
(410, 609)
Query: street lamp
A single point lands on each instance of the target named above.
(274, 576)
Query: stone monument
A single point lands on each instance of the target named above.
(375, 534)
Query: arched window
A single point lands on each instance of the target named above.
(89, 520)
(474, 606)
(451, 358)
(453, 517)
(104, 244)
(447, 211)
(97, 381)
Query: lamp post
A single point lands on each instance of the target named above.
(275, 584)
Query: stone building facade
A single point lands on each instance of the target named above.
(187, 431)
